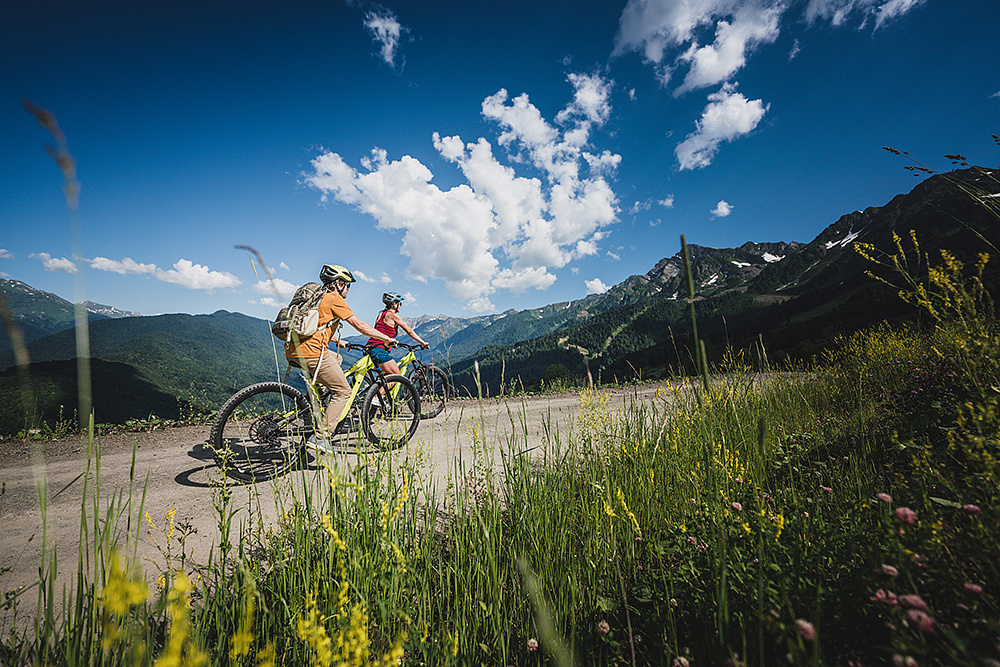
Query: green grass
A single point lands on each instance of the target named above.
(743, 524)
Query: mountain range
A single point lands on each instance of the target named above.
(40, 313)
(794, 307)
(789, 298)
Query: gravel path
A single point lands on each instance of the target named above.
(173, 469)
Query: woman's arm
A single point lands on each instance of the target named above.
(396, 320)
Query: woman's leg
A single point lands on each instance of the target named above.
(390, 368)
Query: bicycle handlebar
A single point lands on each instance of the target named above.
(358, 347)
(365, 348)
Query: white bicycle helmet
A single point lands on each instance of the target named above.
(390, 298)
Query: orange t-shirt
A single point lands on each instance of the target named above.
(332, 309)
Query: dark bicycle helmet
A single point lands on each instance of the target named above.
(390, 298)
(331, 272)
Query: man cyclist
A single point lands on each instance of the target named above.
(388, 323)
(322, 364)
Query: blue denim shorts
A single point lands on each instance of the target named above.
(379, 355)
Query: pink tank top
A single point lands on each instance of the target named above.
(382, 327)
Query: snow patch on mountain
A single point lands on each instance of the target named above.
(844, 241)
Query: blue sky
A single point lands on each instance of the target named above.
(475, 156)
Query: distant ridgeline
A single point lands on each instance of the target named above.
(143, 366)
(793, 298)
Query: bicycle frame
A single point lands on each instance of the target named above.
(406, 360)
(404, 363)
(357, 373)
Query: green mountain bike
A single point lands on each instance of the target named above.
(431, 382)
(261, 431)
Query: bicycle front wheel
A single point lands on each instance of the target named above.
(260, 432)
(391, 412)
(433, 388)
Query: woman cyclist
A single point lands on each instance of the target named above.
(388, 323)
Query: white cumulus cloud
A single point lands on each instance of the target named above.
(596, 286)
(124, 267)
(704, 43)
(722, 209)
(590, 101)
(670, 33)
(728, 116)
(386, 31)
(656, 27)
(384, 278)
(796, 48)
(55, 264)
(717, 62)
(838, 12)
(6, 254)
(195, 276)
(185, 273)
(275, 292)
(501, 230)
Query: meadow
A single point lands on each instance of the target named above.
(841, 513)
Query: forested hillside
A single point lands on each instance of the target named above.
(164, 362)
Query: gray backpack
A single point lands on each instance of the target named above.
(301, 315)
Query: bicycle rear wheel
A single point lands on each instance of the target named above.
(260, 432)
(391, 412)
(433, 388)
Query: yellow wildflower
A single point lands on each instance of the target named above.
(631, 516)
(403, 494)
(310, 630)
(265, 657)
(121, 593)
(181, 648)
(243, 639)
(608, 510)
(171, 513)
(778, 519)
(328, 526)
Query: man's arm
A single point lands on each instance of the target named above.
(370, 331)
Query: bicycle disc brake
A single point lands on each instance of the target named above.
(265, 431)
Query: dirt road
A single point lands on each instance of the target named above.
(174, 470)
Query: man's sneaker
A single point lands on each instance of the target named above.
(376, 401)
(347, 425)
(321, 445)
